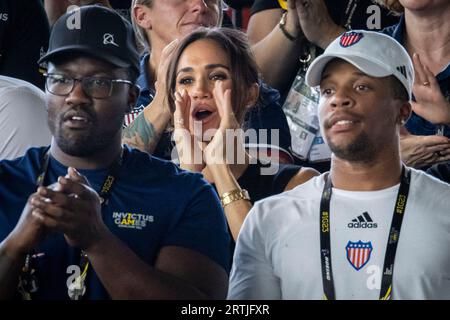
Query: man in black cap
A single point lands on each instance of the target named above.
(105, 229)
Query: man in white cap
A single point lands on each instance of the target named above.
(338, 235)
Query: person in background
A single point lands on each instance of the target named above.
(277, 32)
(440, 171)
(24, 33)
(424, 31)
(56, 8)
(23, 118)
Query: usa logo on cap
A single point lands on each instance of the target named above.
(358, 253)
(350, 38)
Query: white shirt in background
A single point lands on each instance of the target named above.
(23, 118)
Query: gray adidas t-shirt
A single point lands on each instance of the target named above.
(278, 250)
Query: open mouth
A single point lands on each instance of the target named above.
(77, 118)
(343, 125)
(343, 122)
(200, 115)
(77, 121)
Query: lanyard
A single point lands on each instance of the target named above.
(105, 190)
(346, 19)
(391, 249)
(28, 280)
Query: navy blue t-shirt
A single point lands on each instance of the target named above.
(152, 204)
(441, 171)
(416, 124)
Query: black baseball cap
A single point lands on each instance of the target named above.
(95, 31)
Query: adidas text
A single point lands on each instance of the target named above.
(363, 225)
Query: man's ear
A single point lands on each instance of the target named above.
(405, 112)
(141, 15)
(252, 95)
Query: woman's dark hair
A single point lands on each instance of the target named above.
(243, 68)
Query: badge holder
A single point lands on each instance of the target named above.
(28, 283)
(301, 112)
(77, 289)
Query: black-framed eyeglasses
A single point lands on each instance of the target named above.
(94, 87)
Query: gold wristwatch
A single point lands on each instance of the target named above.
(234, 195)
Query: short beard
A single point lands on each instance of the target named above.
(359, 150)
(83, 146)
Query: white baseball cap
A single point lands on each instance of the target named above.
(374, 53)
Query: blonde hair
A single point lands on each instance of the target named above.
(141, 35)
(392, 5)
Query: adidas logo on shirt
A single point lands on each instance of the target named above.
(363, 221)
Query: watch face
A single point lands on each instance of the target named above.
(283, 4)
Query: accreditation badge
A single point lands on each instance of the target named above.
(300, 109)
(319, 151)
